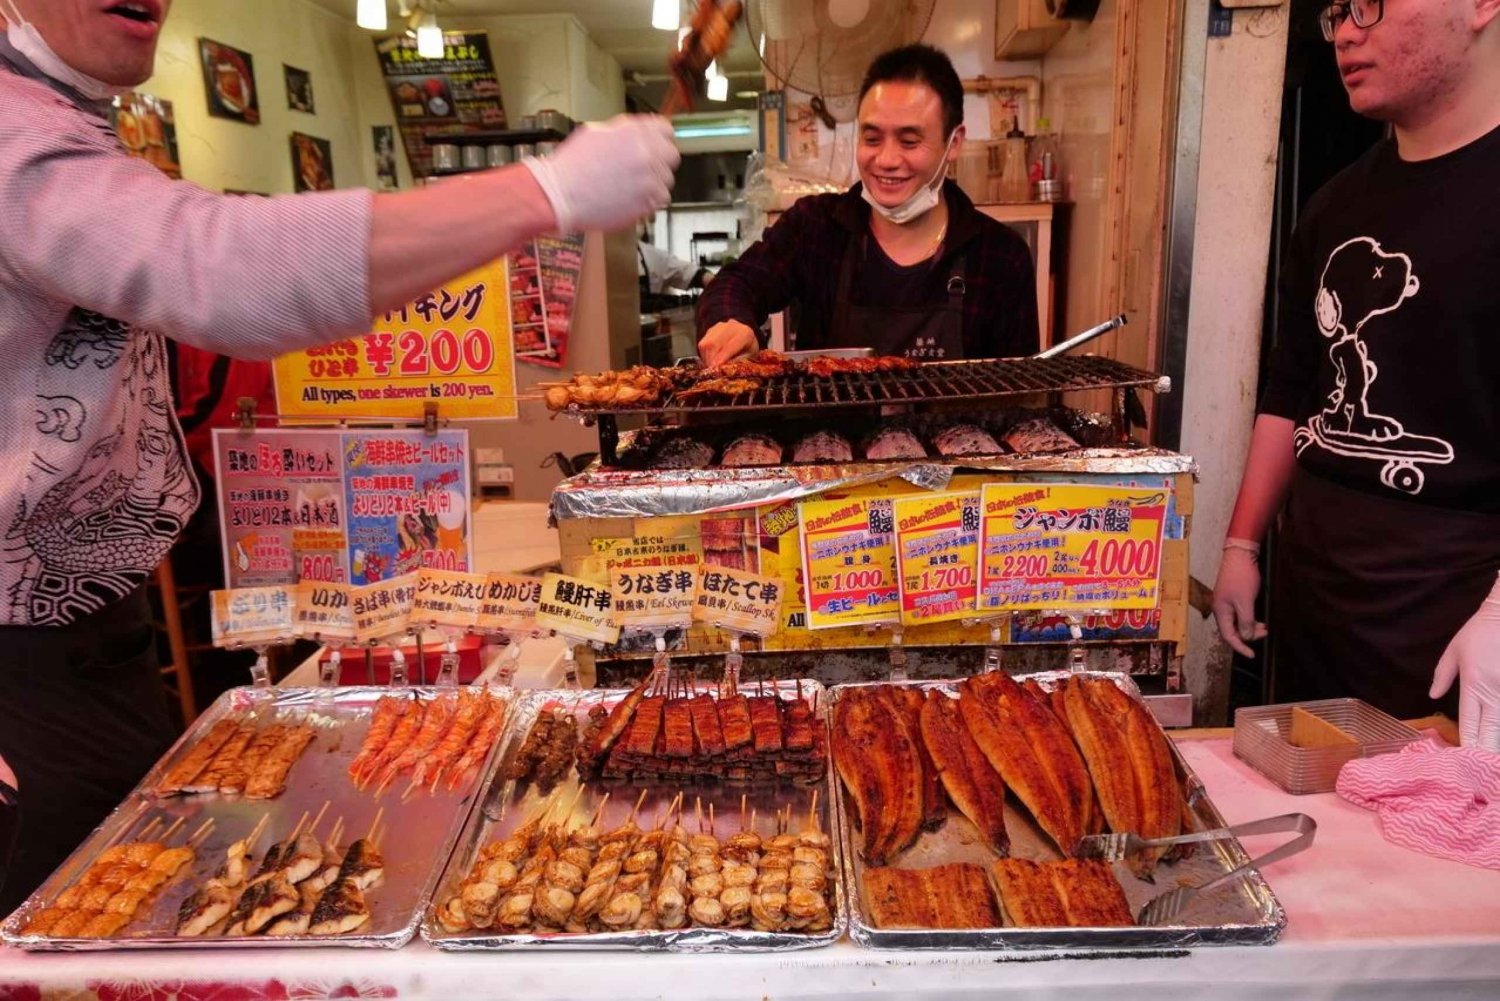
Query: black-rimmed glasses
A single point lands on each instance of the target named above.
(1365, 13)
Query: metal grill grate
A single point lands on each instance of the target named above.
(957, 381)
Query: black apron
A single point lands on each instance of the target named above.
(927, 332)
(83, 717)
(1367, 592)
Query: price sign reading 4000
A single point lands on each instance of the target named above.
(1055, 546)
(452, 347)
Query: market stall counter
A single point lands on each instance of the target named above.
(1365, 919)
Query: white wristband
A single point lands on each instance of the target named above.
(1253, 548)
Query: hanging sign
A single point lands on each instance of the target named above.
(1070, 546)
(849, 562)
(252, 616)
(652, 579)
(448, 598)
(738, 601)
(937, 551)
(382, 610)
(509, 603)
(451, 347)
(578, 609)
(325, 611)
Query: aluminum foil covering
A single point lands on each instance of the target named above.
(1245, 912)
(601, 493)
(417, 835)
(505, 807)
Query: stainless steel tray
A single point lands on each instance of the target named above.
(1244, 913)
(419, 834)
(505, 808)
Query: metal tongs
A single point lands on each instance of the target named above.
(1164, 908)
(1083, 338)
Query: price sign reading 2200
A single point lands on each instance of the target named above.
(414, 353)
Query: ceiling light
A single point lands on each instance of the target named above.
(711, 131)
(665, 15)
(371, 14)
(747, 95)
(718, 88)
(429, 37)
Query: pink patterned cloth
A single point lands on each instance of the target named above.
(1432, 798)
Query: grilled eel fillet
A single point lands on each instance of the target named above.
(619, 719)
(1128, 756)
(1028, 746)
(879, 766)
(1073, 893)
(972, 783)
(906, 706)
(947, 896)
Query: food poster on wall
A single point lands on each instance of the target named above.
(229, 78)
(344, 506)
(148, 130)
(312, 163)
(1061, 546)
(450, 347)
(544, 276)
(384, 139)
(937, 551)
(849, 561)
(454, 94)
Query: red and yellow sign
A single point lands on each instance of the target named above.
(452, 347)
(849, 562)
(937, 552)
(1060, 546)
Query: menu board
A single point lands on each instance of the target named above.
(450, 347)
(447, 598)
(937, 551)
(849, 562)
(454, 94)
(343, 506)
(1060, 546)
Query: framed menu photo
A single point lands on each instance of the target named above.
(229, 77)
(299, 90)
(312, 163)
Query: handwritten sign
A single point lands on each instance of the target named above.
(447, 598)
(451, 346)
(1070, 546)
(937, 552)
(382, 610)
(849, 562)
(251, 616)
(652, 579)
(325, 610)
(578, 609)
(509, 603)
(738, 601)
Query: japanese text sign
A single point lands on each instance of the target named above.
(937, 551)
(448, 598)
(382, 610)
(1070, 546)
(509, 603)
(451, 347)
(738, 601)
(325, 610)
(251, 616)
(652, 579)
(849, 562)
(577, 609)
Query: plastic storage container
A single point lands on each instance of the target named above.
(1262, 738)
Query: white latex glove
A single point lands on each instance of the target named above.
(726, 341)
(1234, 596)
(606, 176)
(1473, 658)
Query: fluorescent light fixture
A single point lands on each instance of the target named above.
(747, 95)
(665, 15)
(718, 88)
(762, 45)
(711, 131)
(370, 14)
(429, 37)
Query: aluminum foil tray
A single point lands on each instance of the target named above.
(1262, 738)
(417, 837)
(1243, 913)
(506, 807)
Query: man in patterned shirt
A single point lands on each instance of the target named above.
(101, 256)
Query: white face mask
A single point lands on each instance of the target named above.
(30, 43)
(923, 201)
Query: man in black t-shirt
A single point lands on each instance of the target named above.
(1379, 425)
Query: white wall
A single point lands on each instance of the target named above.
(1236, 185)
(218, 153)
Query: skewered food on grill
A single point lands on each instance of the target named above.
(947, 896)
(1074, 893)
(720, 386)
(1039, 435)
(751, 450)
(965, 439)
(823, 446)
(761, 365)
(825, 366)
(547, 752)
(894, 443)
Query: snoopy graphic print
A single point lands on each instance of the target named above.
(1361, 285)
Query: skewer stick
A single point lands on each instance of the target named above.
(338, 829)
(145, 832)
(599, 811)
(319, 818)
(752, 820)
(744, 797)
(257, 830)
(637, 808)
(698, 812)
(711, 820)
(201, 833)
(379, 815)
(812, 811)
(298, 829)
(173, 829)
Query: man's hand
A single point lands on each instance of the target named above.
(1473, 658)
(1234, 597)
(725, 341)
(605, 177)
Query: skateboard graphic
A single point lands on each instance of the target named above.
(1402, 456)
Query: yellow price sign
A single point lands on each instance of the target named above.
(447, 598)
(510, 603)
(937, 552)
(250, 616)
(325, 610)
(849, 562)
(577, 609)
(738, 601)
(1064, 546)
(382, 609)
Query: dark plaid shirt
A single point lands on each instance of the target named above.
(798, 260)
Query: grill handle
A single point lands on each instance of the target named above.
(1083, 338)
